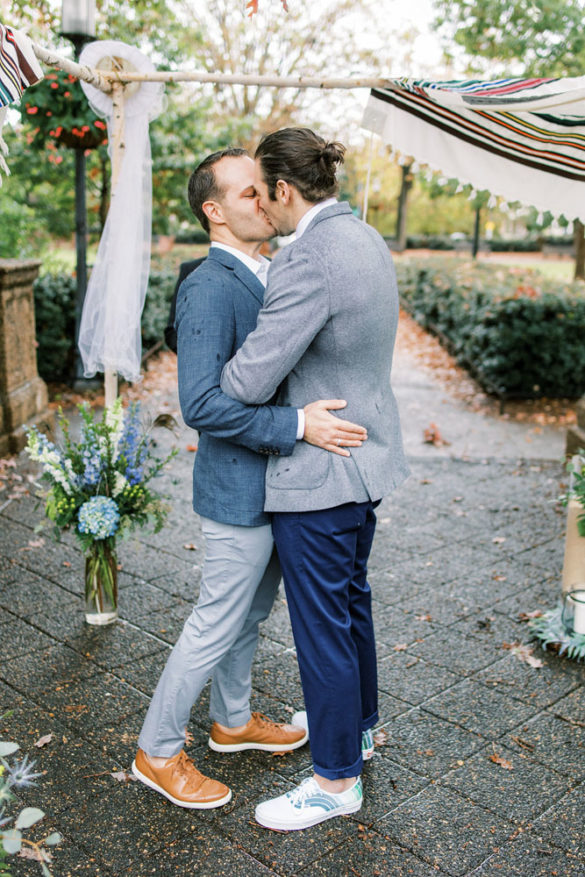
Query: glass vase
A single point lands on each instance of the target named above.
(101, 583)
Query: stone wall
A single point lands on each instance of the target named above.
(23, 394)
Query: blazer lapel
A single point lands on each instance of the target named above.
(247, 277)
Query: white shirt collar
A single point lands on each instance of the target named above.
(253, 264)
(311, 214)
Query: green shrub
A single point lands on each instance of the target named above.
(54, 296)
(521, 334)
(192, 236)
(429, 242)
(523, 245)
(161, 285)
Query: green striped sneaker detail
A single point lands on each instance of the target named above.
(308, 805)
(367, 744)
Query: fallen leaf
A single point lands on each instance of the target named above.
(33, 543)
(36, 854)
(122, 776)
(432, 436)
(400, 647)
(66, 563)
(524, 654)
(427, 617)
(380, 737)
(190, 546)
(497, 759)
(526, 616)
(192, 448)
(42, 741)
(497, 540)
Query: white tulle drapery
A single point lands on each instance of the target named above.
(109, 335)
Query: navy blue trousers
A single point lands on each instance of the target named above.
(324, 557)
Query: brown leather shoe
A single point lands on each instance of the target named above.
(259, 733)
(181, 782)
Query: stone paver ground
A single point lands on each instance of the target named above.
(481, 766)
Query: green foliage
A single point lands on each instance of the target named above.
(18, 236)
(523, 245)
(576, 469)
(14, 777)
(519, 333)
(192, 236)
(429, 242)
(54, 296)
(161, 285)
(551, 629)
(547, 38)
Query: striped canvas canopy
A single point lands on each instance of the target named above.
(521, 139)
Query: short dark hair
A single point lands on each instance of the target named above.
(302, 158)
(203, 184)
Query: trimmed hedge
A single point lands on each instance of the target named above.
(54, 296)
(515, 246)
(157, 305)
(520, 334)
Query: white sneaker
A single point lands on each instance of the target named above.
(307, 805)
(300, 719)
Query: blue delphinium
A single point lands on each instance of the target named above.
(99, 517)
(133, 449)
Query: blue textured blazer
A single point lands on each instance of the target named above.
(217, 307)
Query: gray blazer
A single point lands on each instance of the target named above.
(326, 331)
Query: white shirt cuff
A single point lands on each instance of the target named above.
(301, 426)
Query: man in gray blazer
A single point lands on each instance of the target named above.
(327, 328)
(217, 306)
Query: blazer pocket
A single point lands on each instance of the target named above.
(307, 468)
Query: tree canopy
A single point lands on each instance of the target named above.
(517, 36)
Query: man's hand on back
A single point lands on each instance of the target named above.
(327, 431)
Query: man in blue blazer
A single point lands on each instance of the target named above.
(217, 307)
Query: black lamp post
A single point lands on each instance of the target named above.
(78, 26)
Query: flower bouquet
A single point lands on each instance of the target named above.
(98, 487)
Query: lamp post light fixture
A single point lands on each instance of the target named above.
(78, 26)
(78, 22)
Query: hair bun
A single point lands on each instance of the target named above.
(331, 155)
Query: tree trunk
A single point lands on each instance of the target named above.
(579, 230)
(407, 179)
(476, 227)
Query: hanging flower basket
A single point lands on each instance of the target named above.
(58, 114)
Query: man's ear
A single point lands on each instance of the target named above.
(283, 192)
(214, 212)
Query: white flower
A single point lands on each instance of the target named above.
(115, 424)
(120, 484)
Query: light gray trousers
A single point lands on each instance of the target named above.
(240, 578)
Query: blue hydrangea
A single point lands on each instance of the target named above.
(99, 517)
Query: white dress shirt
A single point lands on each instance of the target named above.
(259, 267)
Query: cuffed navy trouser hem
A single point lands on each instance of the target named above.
(324, 556)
